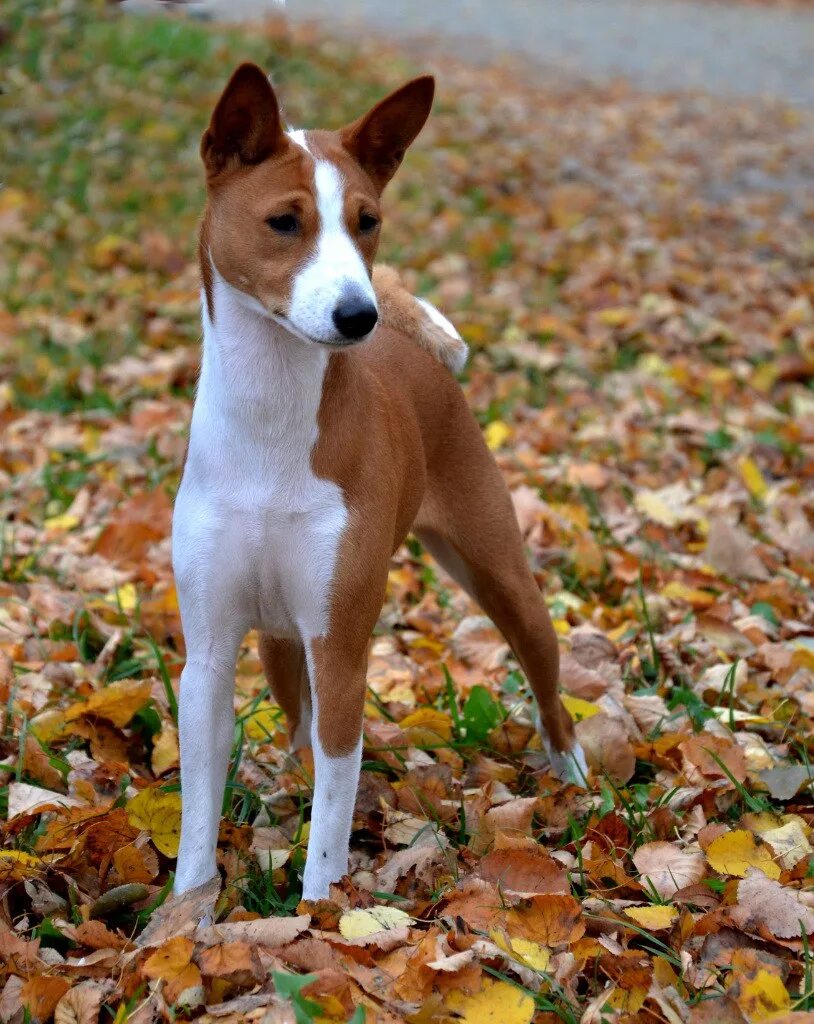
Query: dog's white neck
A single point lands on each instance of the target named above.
(252, 367)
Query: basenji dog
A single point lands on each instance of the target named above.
(321, 435)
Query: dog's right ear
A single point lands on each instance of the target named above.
(245, 126)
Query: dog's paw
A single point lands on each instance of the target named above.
(569, 766)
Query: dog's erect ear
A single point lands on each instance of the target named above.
(245, 126)
(380, 138)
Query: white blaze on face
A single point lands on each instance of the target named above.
(335, 273)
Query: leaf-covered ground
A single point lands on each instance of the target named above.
(635, 277)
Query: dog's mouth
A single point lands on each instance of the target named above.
(337, 342)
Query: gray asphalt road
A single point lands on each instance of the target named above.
(726, 49)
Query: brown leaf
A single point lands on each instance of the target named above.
(730, 551)
(273, 931)
(775, 906)
(702, 754)
(522, 868)
(607, 747)
(667, 867)
(81, 1004)
(41, 993)
(227, 959)
(551, 920)
(478, 643)
(181, 915)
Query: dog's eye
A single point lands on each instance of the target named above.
(367, 223)
(285, 224)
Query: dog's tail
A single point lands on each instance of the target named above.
(401, 310)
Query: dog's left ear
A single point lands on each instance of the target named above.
(380, 138)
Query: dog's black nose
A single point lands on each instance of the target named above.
(354, 318)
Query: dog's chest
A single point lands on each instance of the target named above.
(252, 516)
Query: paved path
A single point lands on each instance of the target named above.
(726, 49)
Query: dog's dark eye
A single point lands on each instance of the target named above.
(367, 223)
(286, 224)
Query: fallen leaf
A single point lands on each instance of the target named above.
(775, 906)
(497, 1002)
(116, 702)
(41, 993)
(360, 924)
(80, 1005)
(653, 918)
(667, 867)
(181, 914)
(159, 814)
(763, 997)
(734, 853)
(552, 920)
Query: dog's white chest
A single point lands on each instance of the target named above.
(252, 519)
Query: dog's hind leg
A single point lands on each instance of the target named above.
(284, 664)
(468, 524)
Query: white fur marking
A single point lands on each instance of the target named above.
(336, 780)
(336, 271)
(255, 537)
(569, 765)
(438, 319)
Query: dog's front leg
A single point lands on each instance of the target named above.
(206, 729)
(337, 679)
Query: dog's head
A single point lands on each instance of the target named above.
(293, 219)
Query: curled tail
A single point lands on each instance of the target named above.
(401, 310)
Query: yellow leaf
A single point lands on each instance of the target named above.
(427, 725)
(532, 954)
(117, 702)
(497, 1002)
(654, 919)
(616, 316)
(172, 963)
(159, 814)
(734, 853)
(578, 708)
(124, 597)
(20, 858)
(561, 626)
(762, 997)
(165, 750)
(67, 521)
(263, 722)
(753, 478)
(496, 434)
(47, 725)
(170, 960)
(358, 924)
(655, 508)
(765, 377)
(676, 591)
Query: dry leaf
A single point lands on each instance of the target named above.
(550, 920)
(776, 907)
(734, 853)
(653, 918)
(667, 867)
(41, 993)
(159, 814)
(80, 1005)
(497, 1002)
(361, 924)
(181, 914)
